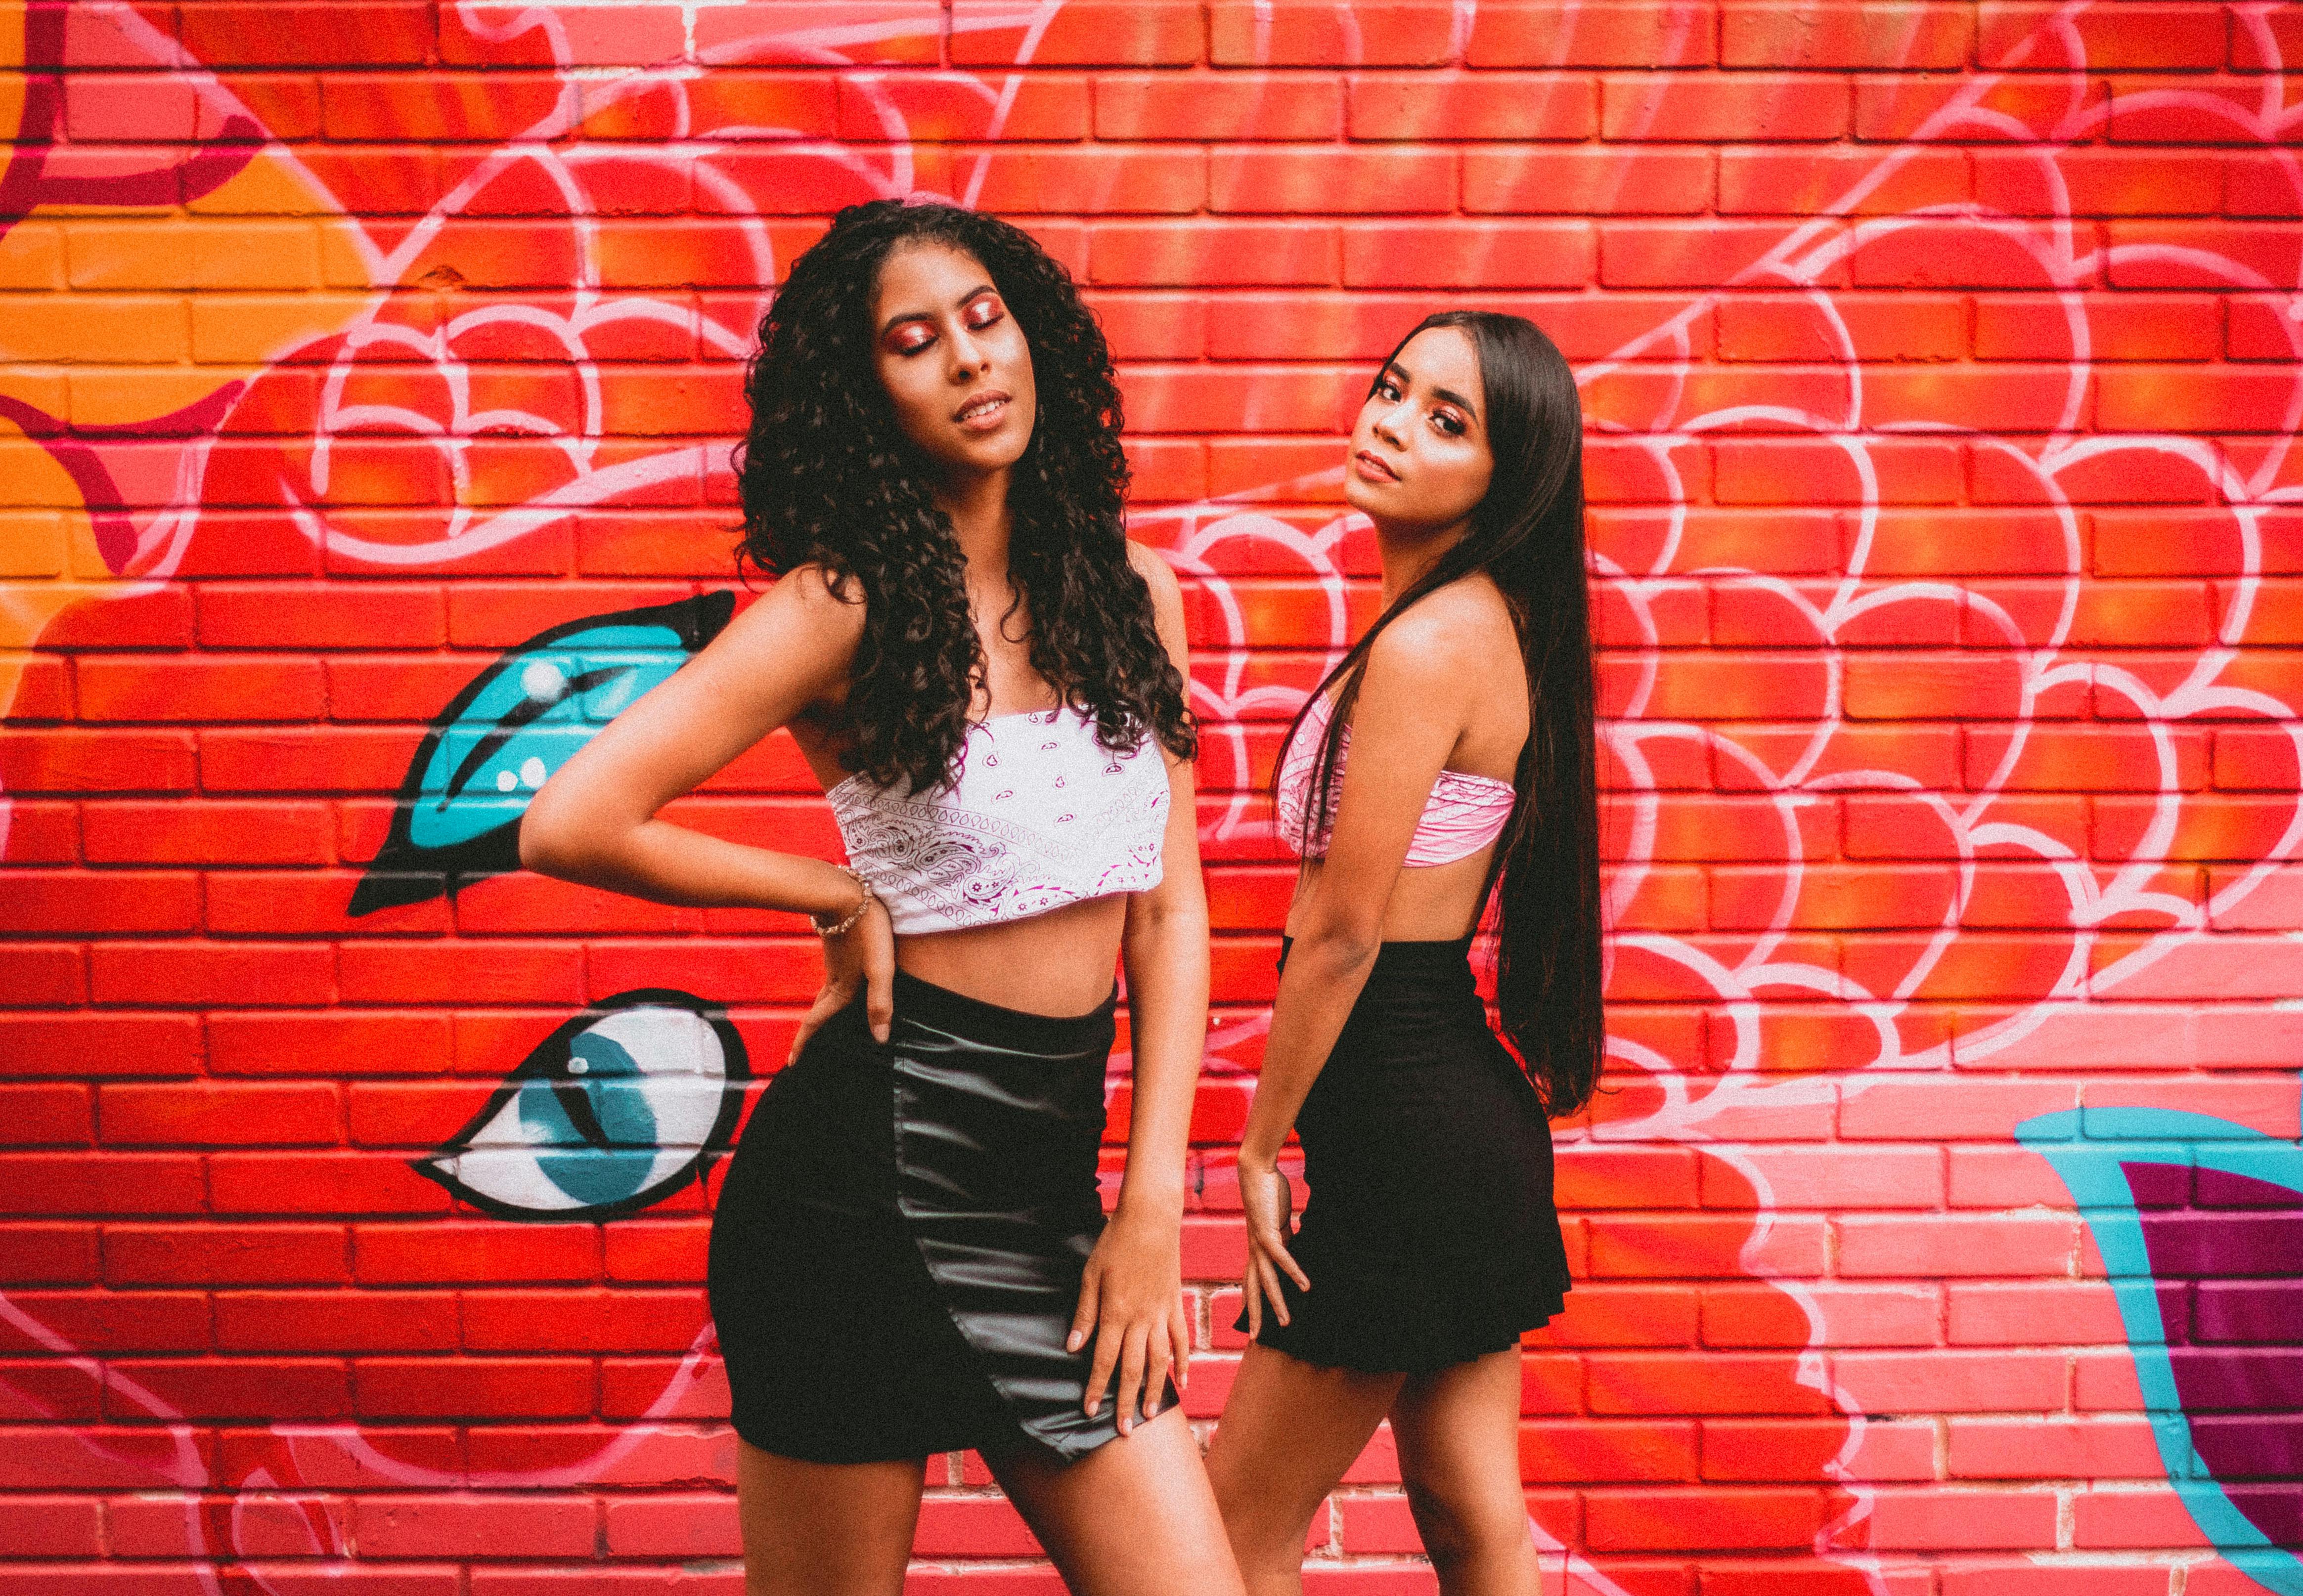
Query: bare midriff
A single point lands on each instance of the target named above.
(1060, 962)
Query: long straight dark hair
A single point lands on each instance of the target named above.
(1527, 534)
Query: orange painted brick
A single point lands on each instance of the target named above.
(99, 902)
(489, 615)
(1721, 686)
(1943, 1519)
(116, 1321)
(1467, 255)
(2104, 1449)
(1930, 1109)
(46, 1114)
(1102, 181)
(1587, 182)
(972, 1527)
(1946, 1381)
(1195, 106)
(530, 1525)
(36, 975)
(1627, 1450)
(1351, 181)
(210, 1255)
(1955, 1245)
(67, 1043)
(1604, 1315)
(580, 1321)
(1786, 1451)
(1787, 1178)
(1998, 1578)
(1802, 183)
(1908, 38)
(1289, 33)
(1688, 1248)
(1823, 1314)
(253, 975)
(1213, 254)
(1745, 107)
(905, 32)
(2057, 758)
(2064, 1313)
(665, 1525)
(332, 760)
(203, 690)
(218, 832)
(1544, 107)
(287, 1389)
(1715, 1519)
(1096, 33)
(1600, 35)
(2136, 35)
(408, 973)
(1684, 254)
(2017, 108)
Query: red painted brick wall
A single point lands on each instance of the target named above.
(1936, 1230)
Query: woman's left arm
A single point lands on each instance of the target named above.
(1132, 1295)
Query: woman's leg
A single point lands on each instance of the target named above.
(1458, 1434)
(1134, 1517)
(825, 1529)
(1289, 1431)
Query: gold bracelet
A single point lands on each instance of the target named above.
(855, 914)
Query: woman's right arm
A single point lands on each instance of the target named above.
(1412, 703)
(595, 820)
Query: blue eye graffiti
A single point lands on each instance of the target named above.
(616, 1109)
(2199, 1222)
(512, 727)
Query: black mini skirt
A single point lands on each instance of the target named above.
(1429, 1233)
(897, 1250)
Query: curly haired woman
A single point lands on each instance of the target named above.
(1424, 776)
(909, 1257)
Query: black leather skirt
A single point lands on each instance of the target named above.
(1428, 1233)
(896, 1251)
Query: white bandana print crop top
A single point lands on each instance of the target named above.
(1042, 815)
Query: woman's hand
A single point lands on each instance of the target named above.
(1264, 1197)
(1132, 1301)
(865, 954)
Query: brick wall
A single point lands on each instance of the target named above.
(369, 365)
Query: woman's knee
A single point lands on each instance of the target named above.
(1463, 1525)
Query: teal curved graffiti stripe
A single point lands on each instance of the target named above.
(2199, 1223)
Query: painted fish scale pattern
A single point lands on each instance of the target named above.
(368, 376)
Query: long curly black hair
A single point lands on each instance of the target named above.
(826, 475)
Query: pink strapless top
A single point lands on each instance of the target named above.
(1464, 814)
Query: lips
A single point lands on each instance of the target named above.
(1373, 468)
(984, 412)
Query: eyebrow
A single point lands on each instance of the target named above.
(962, 303)
(1448, 395)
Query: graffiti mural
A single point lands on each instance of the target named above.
(612, 1113)
(367, 382)
(502, 738)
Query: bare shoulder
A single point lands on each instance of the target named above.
(1167, 595)
(805, 608)
(1158, 575)
(796, 643)
(1447, 642)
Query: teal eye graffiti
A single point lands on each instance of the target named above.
(512, 727)
(614, 1111)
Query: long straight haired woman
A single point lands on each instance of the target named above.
(1446, 761)
(909, 1255)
